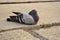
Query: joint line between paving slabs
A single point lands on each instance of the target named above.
(26, 2)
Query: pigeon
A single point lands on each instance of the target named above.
(30, 18)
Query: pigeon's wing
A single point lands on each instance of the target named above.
(17, 13)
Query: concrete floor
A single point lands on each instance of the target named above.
(48, 13)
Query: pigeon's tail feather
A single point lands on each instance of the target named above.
(8, 19)
(13, 19)
(17, 13)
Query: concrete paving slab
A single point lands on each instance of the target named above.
(48, 13)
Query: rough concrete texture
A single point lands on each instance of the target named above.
(48, 13)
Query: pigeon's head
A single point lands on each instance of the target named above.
(34, 15)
